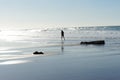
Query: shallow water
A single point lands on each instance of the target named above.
(62, 59)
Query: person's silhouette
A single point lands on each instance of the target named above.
(62, 35)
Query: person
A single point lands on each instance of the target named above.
(62, 35)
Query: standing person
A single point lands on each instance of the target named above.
(62, 35)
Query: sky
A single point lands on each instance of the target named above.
(58, 13)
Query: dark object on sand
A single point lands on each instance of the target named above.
(36, 52)
(98, 42)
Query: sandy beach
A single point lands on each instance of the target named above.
(90, 64)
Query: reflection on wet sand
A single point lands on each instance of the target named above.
(14, 62)
(62, 46)
(10, 57)
(19, 59)
(13, 59)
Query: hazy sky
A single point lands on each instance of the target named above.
(58, 13)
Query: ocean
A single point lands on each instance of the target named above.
(61, 60)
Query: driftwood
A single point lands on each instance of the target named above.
(98, 42)
(36, 52)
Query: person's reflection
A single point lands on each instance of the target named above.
(62, 46)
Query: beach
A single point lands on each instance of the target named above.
(61, 60)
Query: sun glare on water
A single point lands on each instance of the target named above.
(10, 35)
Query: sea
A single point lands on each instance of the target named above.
(62, 59)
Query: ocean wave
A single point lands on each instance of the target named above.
(38, 34)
